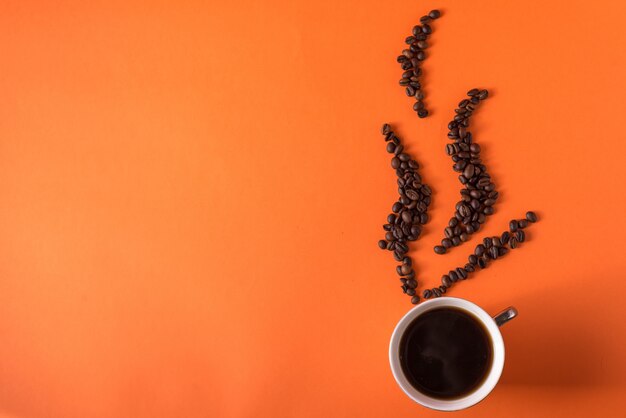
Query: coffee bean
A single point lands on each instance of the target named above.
(389, 236)
(396, 207)
(482, 263)
(391, 147)
(425, 19)
(472, 259)
(422, 44)
(482, 95)
(454, 276)
(523, 223)
(399, 270)
(434, 14)
(469, 267)
(417, 29)
(493, 252)
(504, 238)
(469, 171)
(395, 162)
(422, 113)
(406, 216)
(480, 250)
(502, 251)
(531, 217)
(487, 242)
(462, 273)
(407, 261)
(410, 292)
(405, 269)
(446, 243)
(415, 300)
(382, 244)
(402, 247)
(436, 292)
(440, 249)
(473, 92)
(415, 230)
(397, 255)
(513, 226)
(427, 29)
(445, 280)
(520, 236)
(513, 242)
(495, 241)
(427, 293)
(411, 283)
(456, 241)
(442, 289)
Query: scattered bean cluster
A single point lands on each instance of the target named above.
(479, 193)
(411, 59)
(408, 213)
(489, 250)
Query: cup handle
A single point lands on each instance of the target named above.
(505, 316)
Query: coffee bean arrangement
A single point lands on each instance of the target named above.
(479, 193)
(411, 59)
(491, 249)
(408, 213)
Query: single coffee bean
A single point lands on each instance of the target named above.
(422, 113)
(391, 147)
(410, 292)
(436, 292)
(462, 273)
(482, 95)
(487, 242)
(456, 241)
(395, 163)
(522, 223)
(445, 280)
(399, 270)
(389, 236)
(531, 217)
(443, 289)
(427, 29)
(493, 252)
(439, 250)
(454, 276)
(405, 269)
(446, 243)
(411, 283)
(469, 267)
(495, 241)
(504, 238)
(415, 300)
(427, 293)
(404, 288)
(382, 244)
(464, 237)
(472, 259)
(482, 263)
(422, 44)
(402, 247)
(434, 14)
(520, 236)
(391, 218)
(473, 92)
(480, 250)
(513, 242)
(396, 207)
(397, 255)
(407, 261)
(502, 251)
(513, 225)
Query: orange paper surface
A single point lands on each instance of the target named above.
(191, 194)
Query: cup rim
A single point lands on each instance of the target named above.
(479, 393)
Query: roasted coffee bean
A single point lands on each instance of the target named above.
(422, 113)
(462, 273)
(464, 237)
(411, 283)
(504, 238)
(397, 255)
(410, 292)
(487, 242)
(391, 218)
(389, 236)
(520, 236)
(427, 293)
(396, 207)
(493, 252)
(522, 223)
(472, 259)
(402, 247)
(399, 270)
(446, 243)
(382, 244)
(405, 269)
(440, 249)
(454, 276)
(531, 217)
(456, 241)
(442, 289)
(482, 263)
(445, 280)
(422, 44)
(480, 250)
(395, 162)
(415, 300)
(469, 267)
(391, 147)
(407, 261)
(495, 241)
(436, 292)
(513, 242)
(434, 14)
(473, 92)
(387, 227)
(513, 225)
(502, 251)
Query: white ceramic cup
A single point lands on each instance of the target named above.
(492, 327)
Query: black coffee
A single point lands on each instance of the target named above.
(446, 353)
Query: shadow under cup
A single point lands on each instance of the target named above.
(493, 370)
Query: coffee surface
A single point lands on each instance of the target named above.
(446, 353)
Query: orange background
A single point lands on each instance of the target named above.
(191, 195)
